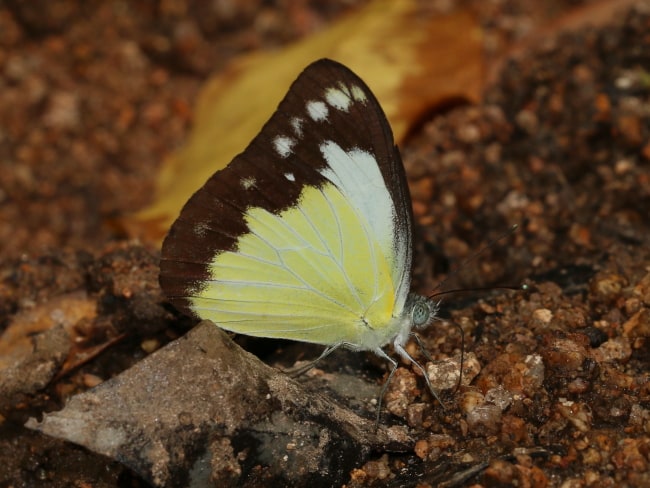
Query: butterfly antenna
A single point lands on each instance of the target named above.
(453, 273)
(522, 287)
(418, 340)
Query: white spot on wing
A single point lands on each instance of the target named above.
(317, 110)
(201, 228)
(248, 182)
(296, 124)
(290, 176)
(283, 145)
(358, 94)
(338, 99)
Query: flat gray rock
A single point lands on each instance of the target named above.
(203, 412)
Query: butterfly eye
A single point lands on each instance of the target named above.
(420, 314)
(421, 310)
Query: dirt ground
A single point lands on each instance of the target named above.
(94, 94)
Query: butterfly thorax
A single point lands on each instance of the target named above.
(417, 313)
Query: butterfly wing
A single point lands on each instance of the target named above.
(306, 235)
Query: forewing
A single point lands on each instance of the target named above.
(308, 229)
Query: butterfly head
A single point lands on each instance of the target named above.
(422, 310)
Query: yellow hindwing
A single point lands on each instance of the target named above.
(313, 273)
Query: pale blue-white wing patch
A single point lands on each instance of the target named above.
(356, 172)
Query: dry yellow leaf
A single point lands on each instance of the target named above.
(411, 57)
(17, 340)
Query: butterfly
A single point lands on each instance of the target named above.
(307, 234)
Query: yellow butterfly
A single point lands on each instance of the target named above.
(307, 234)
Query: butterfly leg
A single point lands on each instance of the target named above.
(294, 373)
(382, 354)
(428, 357)
(402, 352)
(423, 349)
